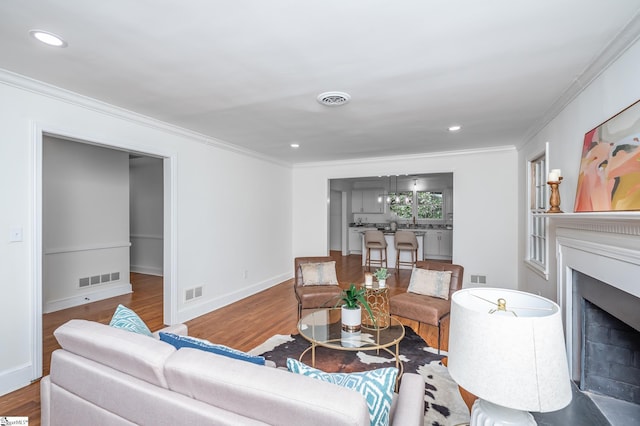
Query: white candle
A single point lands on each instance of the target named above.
(553, 177)
(558, 171)
(368, 279)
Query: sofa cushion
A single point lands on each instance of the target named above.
(127, 319)
(204, 345)
(140, 356)
(376, 386)
(271, 395)
(430, 283)
(321, 273)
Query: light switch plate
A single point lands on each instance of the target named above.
(15, 235)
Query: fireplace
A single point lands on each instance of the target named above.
(609, 353)
(599, 293)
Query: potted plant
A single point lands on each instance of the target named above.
(381, 275)
(352, 300)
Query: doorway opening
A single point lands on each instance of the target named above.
(42, 233)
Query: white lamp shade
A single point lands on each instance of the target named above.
(517, 362)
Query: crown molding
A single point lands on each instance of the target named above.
(41, 88)
(405, 157)
(609, 54)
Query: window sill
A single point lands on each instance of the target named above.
(538, 269)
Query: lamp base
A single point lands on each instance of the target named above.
(485, 413)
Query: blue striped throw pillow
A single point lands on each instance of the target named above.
(205, 345)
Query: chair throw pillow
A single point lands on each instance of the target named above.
(204, 345)
(430, 283)
(322, 273)
(376, 386)
(126, 319)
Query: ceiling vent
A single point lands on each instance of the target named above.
(333, 98)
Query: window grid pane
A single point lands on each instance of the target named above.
(538, 224)
(429, 205)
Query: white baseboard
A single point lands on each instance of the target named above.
(11, 380)
(148, 270)
(70, 302)
(192, 310)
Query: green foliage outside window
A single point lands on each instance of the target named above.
(404, 207)
(429, 205)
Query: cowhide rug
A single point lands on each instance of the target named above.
(443, 404)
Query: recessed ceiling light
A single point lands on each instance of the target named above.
(333, 98)
(295, 145)
(454, 128)
(48, 38)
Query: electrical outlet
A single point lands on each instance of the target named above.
(245, 273)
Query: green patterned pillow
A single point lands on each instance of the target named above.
(376, 386)
(126, 319)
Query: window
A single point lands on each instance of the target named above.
(429, 205)
(537, 256)
(401, 204)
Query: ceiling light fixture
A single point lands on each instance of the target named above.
(295, 145)
(48, 38)
(333, 98)
(454, 128)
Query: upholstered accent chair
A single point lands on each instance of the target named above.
(428, 309)
(323, 295)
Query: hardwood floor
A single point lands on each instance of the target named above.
(242, 325)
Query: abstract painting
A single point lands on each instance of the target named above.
(609, 178)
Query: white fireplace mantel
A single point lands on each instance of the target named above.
(605, 246)
(610, 222)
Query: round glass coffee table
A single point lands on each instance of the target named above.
(324, 328)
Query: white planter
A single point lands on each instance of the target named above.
(351, 319)
(382, 283)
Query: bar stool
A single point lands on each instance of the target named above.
(375, 240)
(406, 240)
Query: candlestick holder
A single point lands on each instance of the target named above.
(554, 199)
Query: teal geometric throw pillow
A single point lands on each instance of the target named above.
(126, 319)
(376, 386)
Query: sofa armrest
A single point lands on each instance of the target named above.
(409, 409)
(45, 401)
(179, 329)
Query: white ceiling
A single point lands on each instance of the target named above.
(247, 72)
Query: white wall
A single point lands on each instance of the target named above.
(485, 205)
(85, 201)
(614, 90)
(222, 226)
(146, 214)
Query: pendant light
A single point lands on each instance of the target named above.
(397, 196)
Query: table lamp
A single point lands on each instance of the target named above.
(507, 348)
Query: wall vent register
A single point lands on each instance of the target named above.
(98, 279)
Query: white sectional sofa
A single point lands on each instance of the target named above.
(108, 376)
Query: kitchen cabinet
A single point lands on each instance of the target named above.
(366, 201)
(439, 244)
(355, 240)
